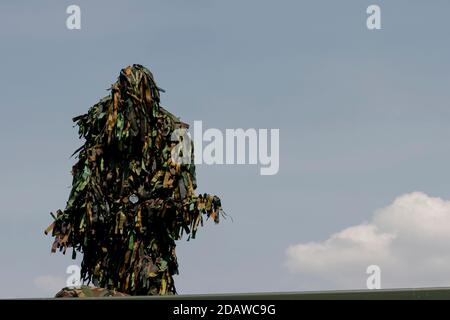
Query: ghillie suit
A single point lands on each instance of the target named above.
(130, 200)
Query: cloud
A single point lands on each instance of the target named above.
(49, 285)
(409, 240)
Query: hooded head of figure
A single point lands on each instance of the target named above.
(137, 82)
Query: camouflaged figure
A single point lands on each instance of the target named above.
(130, 200)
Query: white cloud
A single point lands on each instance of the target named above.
(49, 285)
(409, 240)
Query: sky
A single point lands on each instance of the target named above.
(362, 116)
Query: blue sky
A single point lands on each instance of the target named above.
(363, 118)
